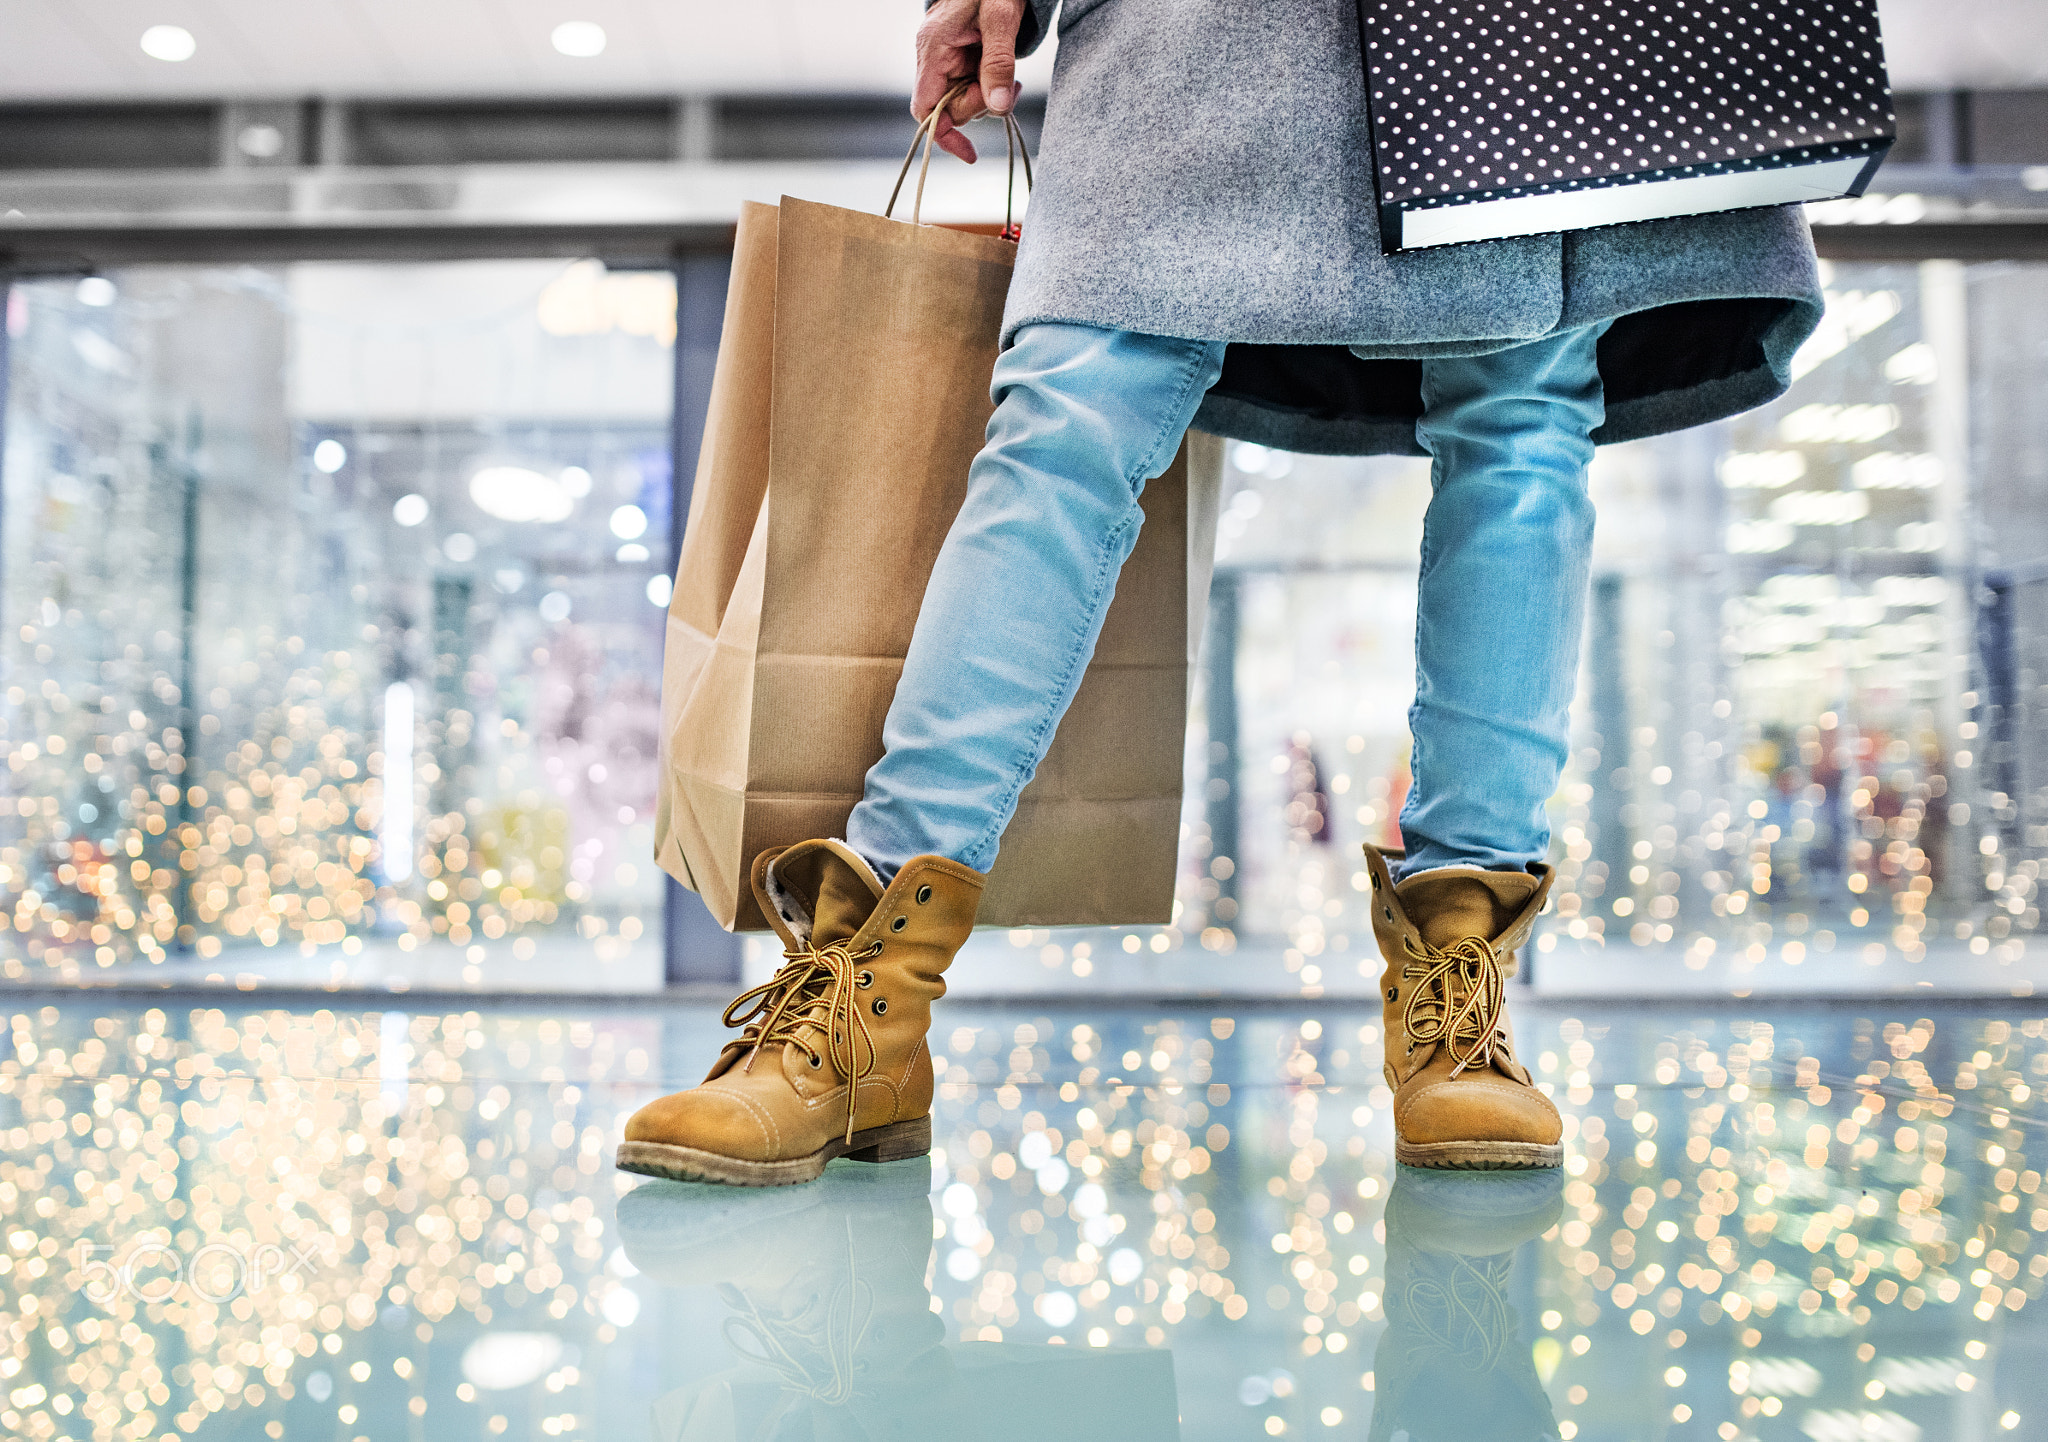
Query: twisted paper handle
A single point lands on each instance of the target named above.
(927, 135)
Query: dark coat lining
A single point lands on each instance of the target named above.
(1686, 346)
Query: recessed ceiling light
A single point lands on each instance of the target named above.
(330, 456)
(169, 42)
(410, 510)
(260, 142)
(579, 38)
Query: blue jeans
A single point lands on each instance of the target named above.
(1084, 417)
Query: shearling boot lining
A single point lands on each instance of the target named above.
(794, 908)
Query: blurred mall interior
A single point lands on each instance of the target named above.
(354, 368)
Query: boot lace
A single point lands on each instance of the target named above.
(1459, 994)
(1463, 1314)
(811, 999)
(814, 1352)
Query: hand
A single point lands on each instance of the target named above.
(972, 40)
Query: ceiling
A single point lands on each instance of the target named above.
(89, 49)
(85, 49)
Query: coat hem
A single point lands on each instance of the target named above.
(1238, 419)
(1364, 350)
(1696, 405)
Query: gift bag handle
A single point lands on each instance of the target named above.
(927, 133)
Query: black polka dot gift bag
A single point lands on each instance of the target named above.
(1494, 118)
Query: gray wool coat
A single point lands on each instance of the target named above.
(1206, 171)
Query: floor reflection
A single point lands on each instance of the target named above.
(1455, 1359)
(265, 1222)
(832, 1332)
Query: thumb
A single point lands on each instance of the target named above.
(999, 24)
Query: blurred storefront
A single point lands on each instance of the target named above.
(1805, 720)
(335, 596)
(302, 456)
(260, 520)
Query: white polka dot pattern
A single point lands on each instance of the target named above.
(1514, 97)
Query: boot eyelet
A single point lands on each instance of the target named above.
(816, 1062)
(865, 980)
(881, 1005)
(1375, 881)
(1388, 912)
(924, 894)
(899, 923)
(1393, 993)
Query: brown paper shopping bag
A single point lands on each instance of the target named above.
(850, 395)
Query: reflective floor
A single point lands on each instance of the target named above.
(273, 1222)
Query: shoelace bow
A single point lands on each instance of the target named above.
(1461, 993)
(814, 991)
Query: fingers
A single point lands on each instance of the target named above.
(947, 44)
(932, 84)
(954, 141)
(946, 133)
(1000, 20)
(967, 104)
(971, 41)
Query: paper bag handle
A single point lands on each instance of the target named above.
(927, 133)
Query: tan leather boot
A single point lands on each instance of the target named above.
(1448, 937)
(831, 1060)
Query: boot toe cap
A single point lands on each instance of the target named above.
(706, 1119)
(1486, 1108)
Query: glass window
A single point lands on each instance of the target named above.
(333, 600)
(261, 522)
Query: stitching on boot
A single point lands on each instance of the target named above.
(839, 1093)
(923, 1044)
(895, 1095)
(958, 870)
(763, 1118)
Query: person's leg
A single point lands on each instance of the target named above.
(832, 1058)
(1506, 551)
(1084, 417)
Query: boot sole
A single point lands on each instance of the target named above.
(892, 1143)
(1479, 1156)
